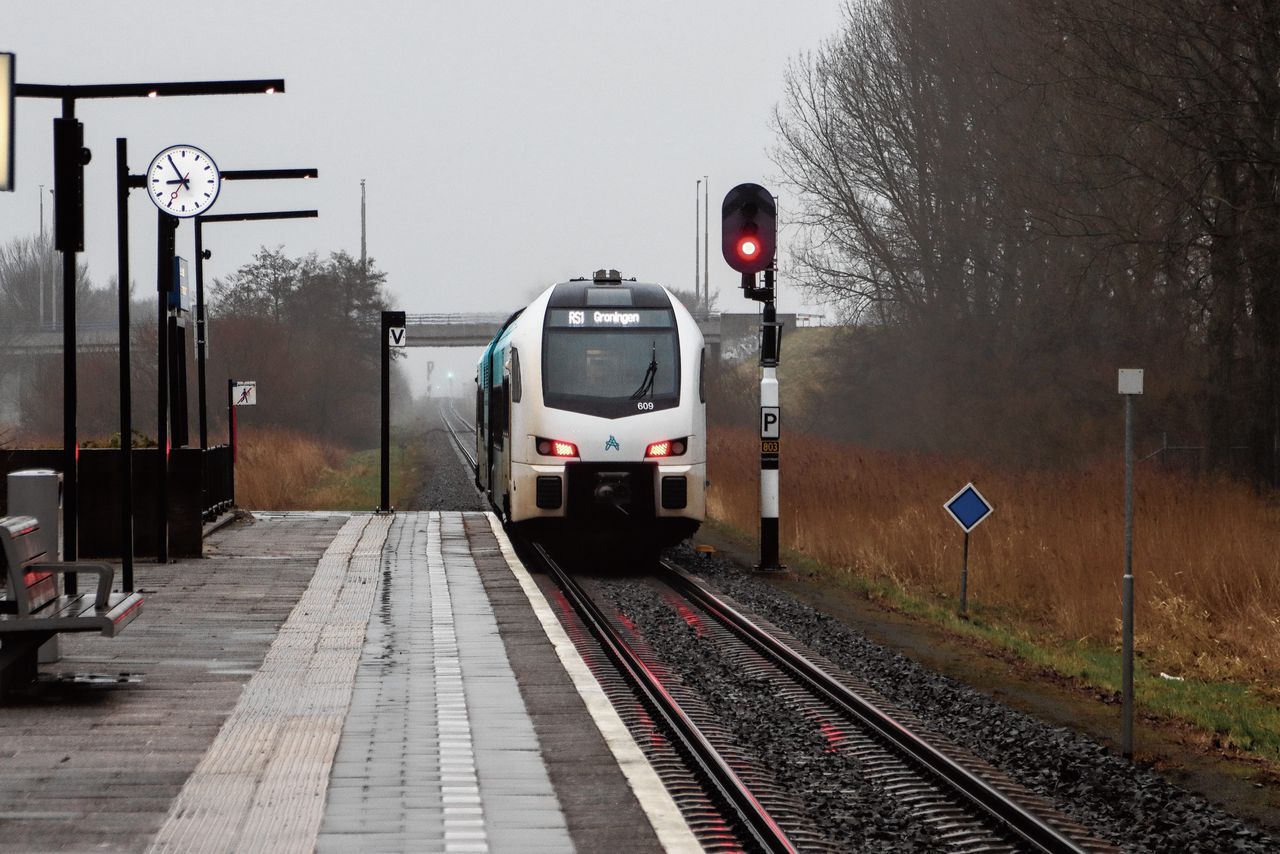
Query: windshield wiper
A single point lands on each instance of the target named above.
(650, 373)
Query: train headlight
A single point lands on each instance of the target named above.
(556, 448)
(667, 448)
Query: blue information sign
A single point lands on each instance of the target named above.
(968, 507)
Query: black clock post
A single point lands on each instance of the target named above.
(166, 228)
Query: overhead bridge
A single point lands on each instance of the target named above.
(422, 330)
(34, 341)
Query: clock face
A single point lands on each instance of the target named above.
(183, 181)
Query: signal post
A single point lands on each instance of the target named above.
(749, 237)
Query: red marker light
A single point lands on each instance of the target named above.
(556, 448)
(667, 448)
(658, 449)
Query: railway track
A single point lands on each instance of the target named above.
(458, 426)
(964, 804)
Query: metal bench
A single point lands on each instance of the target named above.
(32, 611)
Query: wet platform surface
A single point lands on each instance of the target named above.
(330, 682)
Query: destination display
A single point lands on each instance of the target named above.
(610, 318)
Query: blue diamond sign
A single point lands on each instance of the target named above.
(968, 507)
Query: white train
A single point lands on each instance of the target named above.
(591, 415)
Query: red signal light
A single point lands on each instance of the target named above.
(748, 248)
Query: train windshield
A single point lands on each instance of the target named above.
(611, 362)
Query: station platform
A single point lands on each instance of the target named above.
(331, 682)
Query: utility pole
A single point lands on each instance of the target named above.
(697, 266)
(40, 259)
(706, 244)
(364, 249)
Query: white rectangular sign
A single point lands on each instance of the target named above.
(770, 422)
(6, 121)
(1131, 380)
(396, 337)
(244, 393)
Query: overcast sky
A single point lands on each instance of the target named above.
(506, 146)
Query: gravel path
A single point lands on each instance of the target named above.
(1127, 804)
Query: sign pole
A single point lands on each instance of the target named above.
(231, 435)
(969, 509)
(391, 320)
(1130, 387)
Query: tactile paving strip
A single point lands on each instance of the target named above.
(261, 785)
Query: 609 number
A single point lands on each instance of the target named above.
(644, 405)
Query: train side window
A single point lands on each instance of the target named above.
(515, 375)
(702, 376)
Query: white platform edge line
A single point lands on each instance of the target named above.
(668, 822)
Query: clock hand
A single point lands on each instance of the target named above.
(174, 165)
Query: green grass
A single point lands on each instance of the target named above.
(355, 484)
(1227, 714)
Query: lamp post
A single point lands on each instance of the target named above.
(70, 158)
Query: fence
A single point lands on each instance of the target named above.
(201, 485)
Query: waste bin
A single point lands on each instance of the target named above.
(38, 493)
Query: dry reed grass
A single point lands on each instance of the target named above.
(280, 469)
(1049, 560)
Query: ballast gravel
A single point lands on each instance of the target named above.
(836, 801)
(1119, 801)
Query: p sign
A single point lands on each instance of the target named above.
(396, 337)
(770, 422)
(6, 121)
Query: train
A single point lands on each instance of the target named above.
(591, 416)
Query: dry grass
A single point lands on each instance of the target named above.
(282, 470)
(1049, 560)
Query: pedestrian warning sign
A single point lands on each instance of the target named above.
(244, 393)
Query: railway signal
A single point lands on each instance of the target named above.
(749, 228)
(749, 240)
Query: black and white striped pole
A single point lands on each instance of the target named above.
(749, 236)
(770, 428)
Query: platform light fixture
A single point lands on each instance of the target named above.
(6, 121)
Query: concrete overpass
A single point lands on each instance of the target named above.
(47, 340)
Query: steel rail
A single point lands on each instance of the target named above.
(1019, 821)
(453, 434)
(751, 815)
